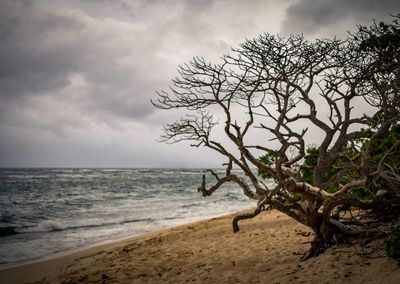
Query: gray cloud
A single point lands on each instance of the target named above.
(46, 49)
(335, 17)
(77, 76)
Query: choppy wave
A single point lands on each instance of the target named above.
(55, 226)
(51, 210)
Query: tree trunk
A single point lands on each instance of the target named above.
(326, 235)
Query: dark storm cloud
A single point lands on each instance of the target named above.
(77, 76)
(43, 50)
(119, 60)
(120, 63)
(333, 16)
(25, 66)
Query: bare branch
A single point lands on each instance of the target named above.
(282, 91)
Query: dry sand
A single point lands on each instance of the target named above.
(266, 250)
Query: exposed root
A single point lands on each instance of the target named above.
(318, 246)
(238, 218)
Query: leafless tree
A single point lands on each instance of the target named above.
(282, 89)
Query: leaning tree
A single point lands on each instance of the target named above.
(320, 119)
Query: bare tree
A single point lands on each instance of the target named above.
(281, 89)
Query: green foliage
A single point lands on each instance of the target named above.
(310, 161)
(383, 41)
(382, 146)
(393, 243)
(268, 159)
(386, 153)
(383, 152)
(385, 37)
(380, 43)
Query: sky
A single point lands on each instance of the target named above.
(77, 76)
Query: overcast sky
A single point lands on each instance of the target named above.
(76, 77)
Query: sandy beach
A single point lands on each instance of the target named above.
(266, 250)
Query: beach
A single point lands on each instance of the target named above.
(267, 249)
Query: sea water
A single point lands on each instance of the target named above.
(48, 211)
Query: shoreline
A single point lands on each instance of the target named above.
(266, 250)
(62, 254)
(60, 258)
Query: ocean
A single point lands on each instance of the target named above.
(45, 212)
